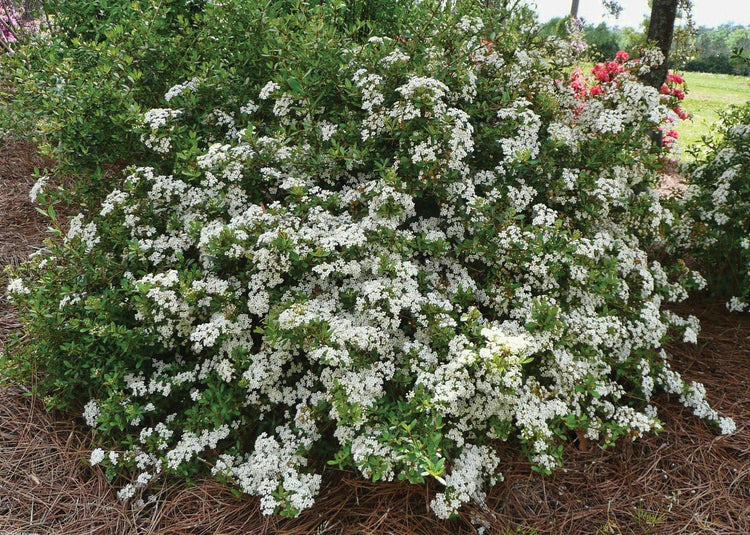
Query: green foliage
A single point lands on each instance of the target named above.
(715, 64)
(714, 50)
(383, 252)
(80, 88)
(604, 41)
(718, 199)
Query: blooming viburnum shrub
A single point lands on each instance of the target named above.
(386, 255)
(718, 199)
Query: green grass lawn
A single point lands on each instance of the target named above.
(708, 94)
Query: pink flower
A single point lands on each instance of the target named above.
(622, 56)
(670, 136)
(675, 78)
(596, 90)
(10, 22)
(682, 114)
(578, 82)
(600, 71)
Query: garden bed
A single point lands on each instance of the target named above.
(23, 228)
(686, 479)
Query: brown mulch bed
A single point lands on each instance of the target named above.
(20, 220)
(685, 480)
(671, 180)
(22, 228)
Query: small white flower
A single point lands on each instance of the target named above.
(38, 188)
(91, 413)
(155, 118)
(327, 130)
(249, 108)
(178, 89)
(127, 492)
(17, 287)
(268, 89)
(97, 456)
(736, 304)
(727, 426)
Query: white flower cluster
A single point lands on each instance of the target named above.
(179, 89)
(38, 188)
(156, 119)
(525, 141)
(91, 413)
(17, 287)
(465, 483)
(737, 305)
(440, 262)
(274, 464)
(651, 58)
(97, 456)
(87, 234)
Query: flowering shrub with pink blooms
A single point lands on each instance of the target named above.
(386, 254)
(10, 23)
(613, 72)
(7, 23)
(16, 24)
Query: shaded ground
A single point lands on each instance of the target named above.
(672, 181)
(22, 228)
(685, 480)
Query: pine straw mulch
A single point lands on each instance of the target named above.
(20, 220)
(685, 480)
(22, 228)
(671, 180)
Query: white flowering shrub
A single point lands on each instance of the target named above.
(387, 256)
(718, 200)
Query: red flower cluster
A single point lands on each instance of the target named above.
(674, 94)
(578, 83)
(669, 136)
(603, 72)
(606, 73)
(675, 78)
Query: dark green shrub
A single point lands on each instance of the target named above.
(79, 88)
(717, 64)
(718, 199)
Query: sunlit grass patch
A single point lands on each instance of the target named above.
(708, 94)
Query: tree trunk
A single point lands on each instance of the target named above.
(574, 9)
(660, 31)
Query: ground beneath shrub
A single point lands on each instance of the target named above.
(685, 480)
(22, 228)
(672, 181)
